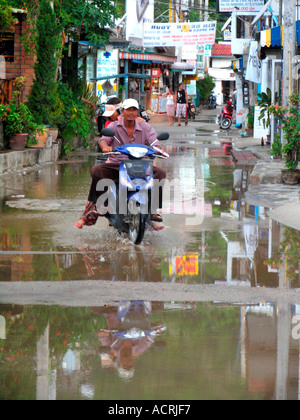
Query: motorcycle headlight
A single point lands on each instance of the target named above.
(137, 152)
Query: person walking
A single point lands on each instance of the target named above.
(170, 105)
(181, 103)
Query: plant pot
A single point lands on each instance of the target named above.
(41, 138)
(291, 177)
(18, 141)
(250, 131)
(54, 133)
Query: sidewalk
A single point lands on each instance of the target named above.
(266, 188)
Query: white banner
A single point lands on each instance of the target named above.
(253, 72)
(138, 12)
(179, 34)
(247, 6)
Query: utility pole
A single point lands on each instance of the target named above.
(201, 11)
(289, 49)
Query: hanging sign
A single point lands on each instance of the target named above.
(179, 34)
(245, 6)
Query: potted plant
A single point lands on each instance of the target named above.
(264, 103)
(276, 149)
(290, 124)
(18, 124)
(39, 136)
(250, 122)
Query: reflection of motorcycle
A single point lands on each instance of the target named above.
(191, 110)
(129, 204)
(212, 102)
(144, 115)
(128, 334)
(226, 116)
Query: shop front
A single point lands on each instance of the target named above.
(148, 91)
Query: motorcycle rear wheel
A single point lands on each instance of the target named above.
(137, 228)
(226, 123)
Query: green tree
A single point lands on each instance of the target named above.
(42, 100)
(206, 86)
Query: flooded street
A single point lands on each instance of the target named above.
(141, 347)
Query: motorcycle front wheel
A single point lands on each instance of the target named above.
(137, 228)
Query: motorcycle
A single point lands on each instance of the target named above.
(226, 117)
(144, 115)
(129, 202)
(191, 111)
(212, 102)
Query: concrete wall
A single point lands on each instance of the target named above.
(11, 161)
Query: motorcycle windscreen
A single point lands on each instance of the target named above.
(139, 169)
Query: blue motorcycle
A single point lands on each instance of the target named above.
(130, 197)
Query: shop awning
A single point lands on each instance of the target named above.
(141, 61)
(274, 37)
(182, 66)
(153, 58)
(119, 76)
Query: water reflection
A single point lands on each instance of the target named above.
(149, 350)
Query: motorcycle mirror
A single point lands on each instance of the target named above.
(108, 132)
(163, 136)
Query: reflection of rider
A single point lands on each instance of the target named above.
(128, 130)
(128, 334)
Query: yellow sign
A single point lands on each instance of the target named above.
(186, 265)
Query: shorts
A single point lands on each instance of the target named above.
(181, 110)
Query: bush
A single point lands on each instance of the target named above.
(206, 87)
(71, 116)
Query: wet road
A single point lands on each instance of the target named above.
(122, 350)
(219, 240)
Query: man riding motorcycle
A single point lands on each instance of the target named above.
(128, 130)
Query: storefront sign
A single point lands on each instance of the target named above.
(179, 34)
(156, 72)
(246, 6)
(191, 88)
(107, 65)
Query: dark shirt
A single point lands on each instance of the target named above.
(181, 97)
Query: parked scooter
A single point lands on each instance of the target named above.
(226, 116)
(144, 115)
(212, 102)
(129, 202)
(191, 111)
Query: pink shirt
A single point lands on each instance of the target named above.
(143, 134)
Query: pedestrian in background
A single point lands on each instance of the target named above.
(170, 105)
(181, 103)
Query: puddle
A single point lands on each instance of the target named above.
(149, 351)
(235, 243)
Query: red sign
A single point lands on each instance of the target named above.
(156, 72)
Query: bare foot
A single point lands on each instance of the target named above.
(156, 226)
(79, 224)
